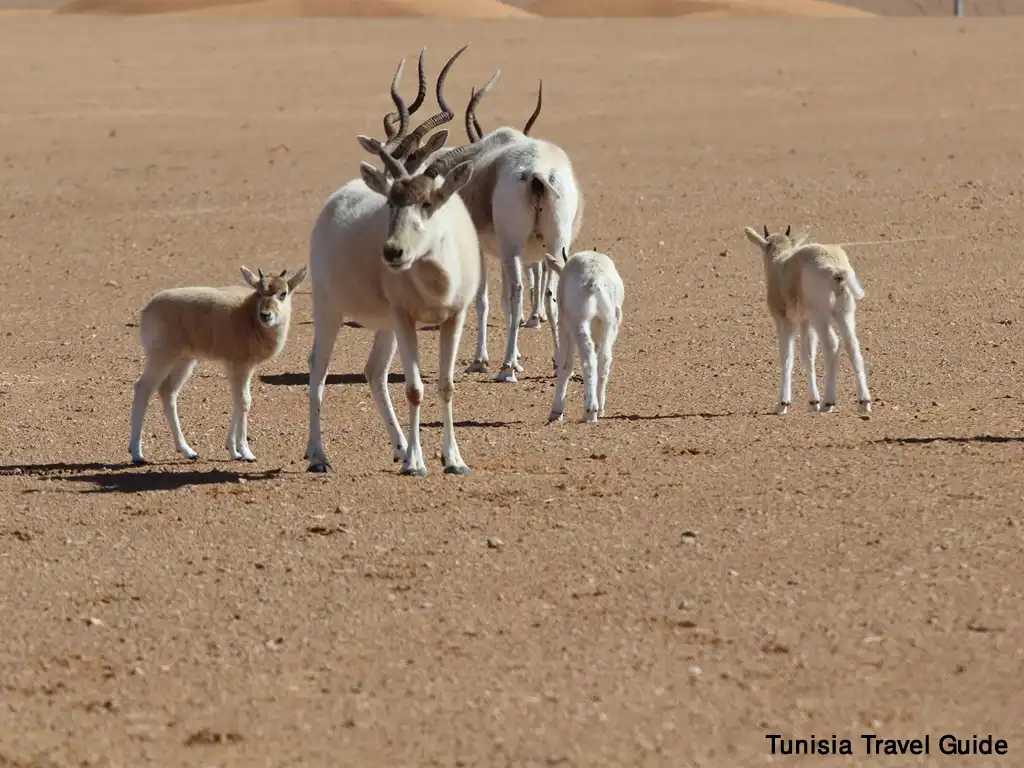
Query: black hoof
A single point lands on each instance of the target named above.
(197, 457)
(414, 472)
(140, 462)
(320, 467)
(456, 470)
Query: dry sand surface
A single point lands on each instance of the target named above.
(671, 584)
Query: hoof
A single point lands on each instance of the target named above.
(590, 417)
(414, 471)
(247, 459)
(139, 462)
(813, 405)
(477, 366)
(782, 408)
(554, 416)
(193, 457)
(507, 374)
(864, 406)
(320, 467)
(532, 322)
(827, 408)
(456, 469)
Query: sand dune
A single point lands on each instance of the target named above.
(706, 8)
(466, 9)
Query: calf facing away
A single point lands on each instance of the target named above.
(813, 287)
(237, 326)
(590, 296)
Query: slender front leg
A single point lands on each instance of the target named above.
(787, 338)
(512, 266)
(451, 332)
(808, 351)
(481, 359)
(830, 348)
(154, 372)
(408, 348)
(239, 377)
(376, 372)
(564, 364)
(169, 389)
(848, 332)
(326, 326)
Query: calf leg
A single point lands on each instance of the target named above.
(169, 389)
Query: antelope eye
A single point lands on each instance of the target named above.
(282, 296)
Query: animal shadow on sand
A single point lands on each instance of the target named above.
(660, 416)
(302, 379)
(956, 439)
(127, 478)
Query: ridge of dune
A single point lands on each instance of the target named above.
(693, 8)
(466, 9)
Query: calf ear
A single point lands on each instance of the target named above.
(456, 179)
(755, 238)
(297, 278)
(250, 278)
(374, 179)
(554, 263)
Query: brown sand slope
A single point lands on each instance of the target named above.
(469, 9)
(718, 8)
(672, 583)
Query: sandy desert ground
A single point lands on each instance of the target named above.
(672, 584)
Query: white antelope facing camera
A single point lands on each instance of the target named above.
(240, 327)
(391, 251)
(813, 288)
(590, 296)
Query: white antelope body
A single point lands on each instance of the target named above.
(525, 200)
(237, 326)
(590, 297)
(391, 251)
(812, 287)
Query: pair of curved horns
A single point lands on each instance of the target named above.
(788, 227)
(390, 118)
(446, 115)
(473, 129)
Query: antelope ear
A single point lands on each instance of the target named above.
(295, 279)
(370, 145)
(554, 263)
(250, 278)
(755, 238)
(787, 230)
(456, 179)
(766, 235)
(374, 179)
